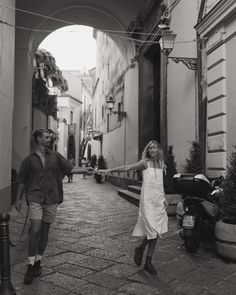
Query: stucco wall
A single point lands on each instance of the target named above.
(181, 82)
(116, 80)
(39, 119)
(7, 41)
(218, 28)
(22, 115)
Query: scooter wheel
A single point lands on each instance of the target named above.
(192, 244)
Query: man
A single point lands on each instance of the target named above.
(40, 178)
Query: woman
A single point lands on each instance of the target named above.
(84, 164)
(152, 221)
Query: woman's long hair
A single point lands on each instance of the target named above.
(160, 155)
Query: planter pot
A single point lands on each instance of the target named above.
(225, 234)
(172, 201)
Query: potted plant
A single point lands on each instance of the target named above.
(195, 164)
(168, 182)
(170, 170)
(225, 230)
(102, 164)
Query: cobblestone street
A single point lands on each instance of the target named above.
(90, 251)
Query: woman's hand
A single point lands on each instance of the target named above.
(166, 204)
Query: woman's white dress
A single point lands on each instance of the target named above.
(152, 220)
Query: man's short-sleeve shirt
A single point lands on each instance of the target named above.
(44, 184)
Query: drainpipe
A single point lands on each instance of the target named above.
(201, 104)
(163, 112)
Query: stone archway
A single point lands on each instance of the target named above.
(43, 19)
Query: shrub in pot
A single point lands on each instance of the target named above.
(170, 170)
(229, 189)
(168, 181)
(225, 231)
(195, 163)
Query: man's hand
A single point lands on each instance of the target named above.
(18, 205)
(103, 171)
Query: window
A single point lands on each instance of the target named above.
(71, 117)
(108, 121)
(119, 106)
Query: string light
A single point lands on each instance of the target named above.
(112, 32)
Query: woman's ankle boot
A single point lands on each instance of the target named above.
(148, 266)
(138, 255)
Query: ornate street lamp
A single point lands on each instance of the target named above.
(167, 42)
(110, 105)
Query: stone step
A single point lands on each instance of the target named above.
(129, 196)
(135, 189)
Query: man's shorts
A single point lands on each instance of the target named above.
(45, 212)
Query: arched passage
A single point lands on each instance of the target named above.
(101, 15)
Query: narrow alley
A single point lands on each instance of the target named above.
(90, 251)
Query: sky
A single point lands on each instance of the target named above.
(73, 47)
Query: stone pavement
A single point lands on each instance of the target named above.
(90, 251)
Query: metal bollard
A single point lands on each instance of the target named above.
(6, 287)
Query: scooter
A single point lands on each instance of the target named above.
(200, 209)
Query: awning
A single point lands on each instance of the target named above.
(45, 57)
(45, 65)
(98, 136)
(58, 80)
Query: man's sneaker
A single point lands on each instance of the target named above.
(29, 276)
(37, 268)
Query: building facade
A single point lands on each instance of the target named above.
(117, 79)
(217, 31)
(157, 94)
(7, 106)
(69, 117)
(171, 114)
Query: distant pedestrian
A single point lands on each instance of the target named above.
(84, 165)
(72, 160)
(40, 177)
(152, 221)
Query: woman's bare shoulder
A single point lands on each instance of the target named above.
(144, 163)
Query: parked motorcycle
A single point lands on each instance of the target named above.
(200, 209)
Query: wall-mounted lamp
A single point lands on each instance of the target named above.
(91, 132)
(167, 42)
(110, 105)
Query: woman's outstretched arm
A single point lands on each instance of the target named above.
(140, 165)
